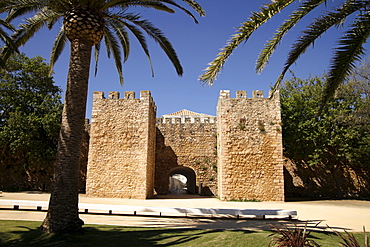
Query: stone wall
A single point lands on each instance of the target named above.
(131, 154)
(319, 181)
(122, 146)
(250, 163)
(191, 145)
(17, 177)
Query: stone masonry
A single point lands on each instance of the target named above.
(236, 155)
(187, 139)
(122, 146)
(250, 155)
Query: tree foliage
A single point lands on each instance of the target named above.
(340, 136)
(30, 112)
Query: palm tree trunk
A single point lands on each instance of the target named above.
(62, 215)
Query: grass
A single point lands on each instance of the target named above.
(26, 233)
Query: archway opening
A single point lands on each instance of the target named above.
(178, 184)
(182, 181)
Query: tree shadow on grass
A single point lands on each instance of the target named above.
(28, 234)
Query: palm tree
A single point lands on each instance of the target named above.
(86, 23)
(349, 50)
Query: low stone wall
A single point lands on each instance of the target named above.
(19, 178)
(318, 181)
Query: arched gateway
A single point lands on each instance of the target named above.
(186, 143)
(236, 155)
(188, 186)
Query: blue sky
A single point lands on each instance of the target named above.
(196, 45)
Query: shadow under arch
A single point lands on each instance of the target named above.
(190, 176)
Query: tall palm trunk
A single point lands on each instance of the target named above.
(62, 215)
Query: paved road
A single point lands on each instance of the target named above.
(350, 215)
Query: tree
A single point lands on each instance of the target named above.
(30, 112)
(336, 139)
(85, 24)
(350, 45)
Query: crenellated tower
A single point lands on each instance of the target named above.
(122, 146)
(249, 144)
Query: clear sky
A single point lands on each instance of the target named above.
(196, 45)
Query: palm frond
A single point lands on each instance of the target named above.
(125, 4)
(136, 32)
(94, 4)
(59, 5)
(28, 29)
(21, 8)
(51, 22)
(295, 17)
(5, 37)
(243, 33)
(2, 64)
(4, 4)
(45, 17)
(196, 7)
(193, 4)
(57, 48)
(350, 50)
(141, 39)
(96, 57)
(115, 22)
(163, 42)
(159, 5)
(112, 47)
(315, 30)
(6, 25)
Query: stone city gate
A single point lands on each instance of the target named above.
(187, 144)
(236, 155)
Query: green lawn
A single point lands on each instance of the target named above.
(26, 233)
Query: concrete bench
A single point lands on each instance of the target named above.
(159, 211)
(24, 204)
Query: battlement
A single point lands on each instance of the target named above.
(183, 119)
(186, 116)
(242, 94)
(114, 104)
(128, 95)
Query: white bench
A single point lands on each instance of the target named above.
(158, 211)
